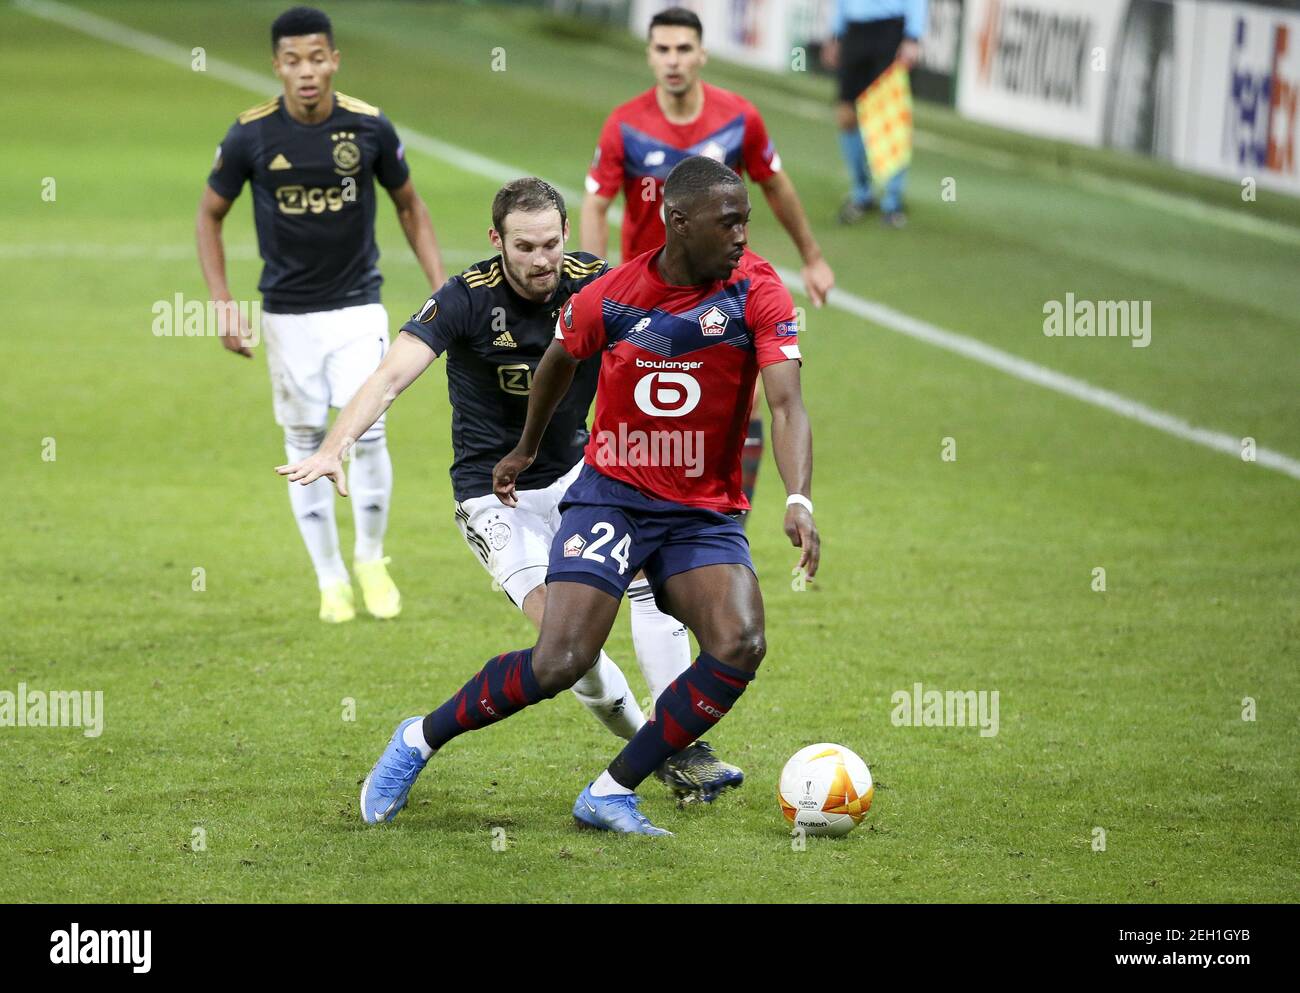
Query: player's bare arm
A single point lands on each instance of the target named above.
(594, 235)
(234, 330)
(551, 382)
(818, 279)
(403, 364)
(792, 446)
(417, 225)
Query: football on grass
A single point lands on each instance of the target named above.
(825, 790)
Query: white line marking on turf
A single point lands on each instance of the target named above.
(877, 313)
(1031, 372)
(39, 251)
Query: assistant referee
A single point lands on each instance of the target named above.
(867, 36)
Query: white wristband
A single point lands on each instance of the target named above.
(800, 499)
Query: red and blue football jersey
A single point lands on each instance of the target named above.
(639, 147)
(677, 375)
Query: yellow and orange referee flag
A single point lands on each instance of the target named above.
(885, 117)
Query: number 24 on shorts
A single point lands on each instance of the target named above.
(618, 553)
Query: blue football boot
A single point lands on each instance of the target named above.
(620, 812)
(385, 790)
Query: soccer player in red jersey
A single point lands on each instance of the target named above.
(680, 116)
(683, 333)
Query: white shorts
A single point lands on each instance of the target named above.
(514, 543)
(320, 360)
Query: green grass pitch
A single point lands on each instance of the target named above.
(224, 708)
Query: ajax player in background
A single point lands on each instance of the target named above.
(680, 116)
(312, 156)
(494, 322)
(682, 332)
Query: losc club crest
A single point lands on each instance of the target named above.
(713, 322)
(574, 546)
(347, 157)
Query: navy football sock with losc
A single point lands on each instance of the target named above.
(504, 686)
(694, 702)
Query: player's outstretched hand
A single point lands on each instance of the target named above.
(802, 532)
(505, 473)
(818, 280)
(233, 328)
(313, 468)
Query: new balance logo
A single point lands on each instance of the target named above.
(278, 163)
(504, 340)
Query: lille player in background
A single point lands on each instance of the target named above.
(680, 116)
(311, 156)
(683, 333)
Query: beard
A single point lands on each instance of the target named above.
(534, 289)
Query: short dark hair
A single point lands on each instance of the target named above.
(677, 17)
(528, 194)
(299, 21)
(694, 176)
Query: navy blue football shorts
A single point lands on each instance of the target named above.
(609, 531)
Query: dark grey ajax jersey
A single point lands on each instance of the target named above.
(493, 340)
(313, 199)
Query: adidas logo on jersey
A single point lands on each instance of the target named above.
(279, 162)
(504, 340)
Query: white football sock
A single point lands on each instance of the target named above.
(663, 648)
(370, 481)
(604, 691)
(413, 737)
(313, 509)
(607, 785)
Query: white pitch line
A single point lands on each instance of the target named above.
(878, 313)
(1031, 372)
(40, 251)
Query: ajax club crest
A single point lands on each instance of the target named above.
(347, 156)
